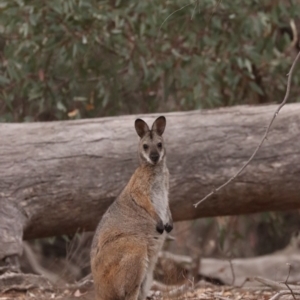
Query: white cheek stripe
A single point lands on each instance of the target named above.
(147, 158)
(161, 155)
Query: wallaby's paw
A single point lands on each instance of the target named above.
(168, 227)
(160, 227)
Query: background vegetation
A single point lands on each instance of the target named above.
(65, 59)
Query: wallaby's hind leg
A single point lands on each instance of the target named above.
(134, 278)
(120, 276)
(133, 272)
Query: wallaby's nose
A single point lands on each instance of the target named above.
(154, 156)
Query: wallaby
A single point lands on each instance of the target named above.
(131, 233)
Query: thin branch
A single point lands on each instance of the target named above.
(295, 34)
(222, 298)
(268, 282)
(273, 284)
(264, 137)
(287, 283)
(232, 272)
(195, 9)
(174, 12)
(214, 10)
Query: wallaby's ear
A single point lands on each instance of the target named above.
(159, 125)
(141, 127)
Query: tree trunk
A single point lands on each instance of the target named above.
(59, 177)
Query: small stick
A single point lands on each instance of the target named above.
(264, 137)
(232, 271)
(273, 284)
(282, 293)
(287, 280)
(222, 298)
(174, 12)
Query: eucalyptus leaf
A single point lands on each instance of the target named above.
(122, 57)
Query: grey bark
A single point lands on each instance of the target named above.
(59, 177)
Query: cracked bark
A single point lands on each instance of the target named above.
(59, 177)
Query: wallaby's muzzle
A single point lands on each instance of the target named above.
(154, 156)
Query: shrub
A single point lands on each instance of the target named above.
(85, 58)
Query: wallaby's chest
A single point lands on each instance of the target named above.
(159, 195)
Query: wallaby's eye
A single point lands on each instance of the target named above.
(145, 147)
(159, 145)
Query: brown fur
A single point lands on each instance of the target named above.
(139, 188)
(127, 241)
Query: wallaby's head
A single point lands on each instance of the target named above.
(151, 146)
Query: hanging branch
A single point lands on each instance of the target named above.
(264, 137)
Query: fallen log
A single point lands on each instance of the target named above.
(239, 270)
(59, 177)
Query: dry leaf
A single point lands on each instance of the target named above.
(89, 106)
(77, 294)
(73, 113)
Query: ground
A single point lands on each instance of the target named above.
(209, 292)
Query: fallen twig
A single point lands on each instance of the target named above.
(222, 298)
(274, 285)
(232, 271)
(262, 140)
(158, 289)
(83, 284)
(282, 293)
(287, 283)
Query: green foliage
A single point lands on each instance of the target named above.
(87, 58)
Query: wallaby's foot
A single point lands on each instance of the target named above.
(160, 227)
(169, 227)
